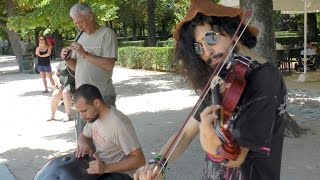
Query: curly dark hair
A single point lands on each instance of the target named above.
(195, 70)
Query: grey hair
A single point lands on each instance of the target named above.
(82, 9)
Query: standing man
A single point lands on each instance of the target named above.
(256, 124)
(117, 150)
(93, 55)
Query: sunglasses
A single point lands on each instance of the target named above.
(210, 38)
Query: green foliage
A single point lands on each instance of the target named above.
(288, 37)
(131, 43)
(44, 14)
(132, 12)
(104, 12)
(165, 18)
(289, 40)
(276, 18)
(152, 58)
(318, 20)
(53, 15)
(3, 34)
(180, 9)
(168, 43)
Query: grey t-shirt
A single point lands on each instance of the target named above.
(102, 43)
(114, 137)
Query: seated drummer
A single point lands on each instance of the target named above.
(118, 152)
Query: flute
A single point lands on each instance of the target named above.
(74, 41)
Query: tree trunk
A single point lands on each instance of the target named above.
(312, 27)
(134, 31)
(125, 32)
(57, 44)
(262, 19)
(151, 24)
(13, 36)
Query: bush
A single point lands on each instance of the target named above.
(151, 58)
(291, 38)
(139, 43)
(168, 43)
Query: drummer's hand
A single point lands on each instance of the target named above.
(83, 149)
(148, 172)
(96, 166)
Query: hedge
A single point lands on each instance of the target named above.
(139, 43)
(150, 58)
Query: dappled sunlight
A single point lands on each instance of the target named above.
(30, 160)
(7, 58)
(159, 101)
(302, 98)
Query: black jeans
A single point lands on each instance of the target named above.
(114, 176)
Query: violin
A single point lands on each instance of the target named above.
(228, 100)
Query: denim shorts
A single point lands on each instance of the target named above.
(44, 68)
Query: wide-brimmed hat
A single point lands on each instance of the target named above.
(209, 8)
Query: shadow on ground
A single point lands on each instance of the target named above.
(6, 78)
(36, 93)
(68, 136)
(25, 162)
(29, 160)
(155, 128)
(139, 85)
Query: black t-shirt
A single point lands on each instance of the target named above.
(258, 126)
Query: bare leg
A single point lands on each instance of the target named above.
(50, 78)
(67, 104)
(56, 96)
(44, 80)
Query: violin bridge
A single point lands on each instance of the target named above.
(215, 81)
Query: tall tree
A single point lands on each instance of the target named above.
(151, 23)
(49, 16)
(131, 13)
(13, 36)
(262, 18)
(266, 46)
(312, 26)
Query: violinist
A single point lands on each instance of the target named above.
(256, 125)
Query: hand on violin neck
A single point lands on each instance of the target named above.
(208, 115)
(224, 86)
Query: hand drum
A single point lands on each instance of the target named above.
(66, 167)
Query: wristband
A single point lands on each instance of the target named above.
(84, 55)
(157, 160)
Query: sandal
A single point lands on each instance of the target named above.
(45, 91)
(66, 119)
(54, 119)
